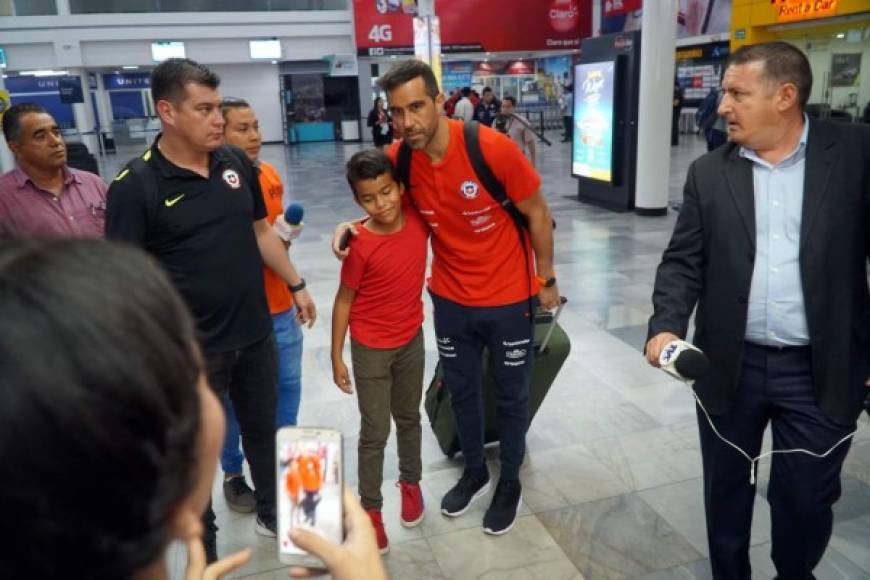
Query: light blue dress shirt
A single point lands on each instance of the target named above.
(777, 316)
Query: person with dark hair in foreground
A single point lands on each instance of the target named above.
(771, 244)
(128, 411)
(197, 206)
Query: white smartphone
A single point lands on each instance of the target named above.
(310, 483)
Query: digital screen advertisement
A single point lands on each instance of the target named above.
(592, 154)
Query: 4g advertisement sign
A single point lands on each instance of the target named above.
(385, 27)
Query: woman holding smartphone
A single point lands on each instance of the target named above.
(109, 432)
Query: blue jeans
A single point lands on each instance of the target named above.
(288, 340)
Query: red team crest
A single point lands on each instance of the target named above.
(469, 189)
(231, 178)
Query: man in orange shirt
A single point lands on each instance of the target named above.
(242, 129)
(482, 278)
(312, 480)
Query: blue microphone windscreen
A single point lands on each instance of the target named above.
(293, 214)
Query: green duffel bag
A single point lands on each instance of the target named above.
(552, 346)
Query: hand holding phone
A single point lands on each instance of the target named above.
(357, 558)
(345, 239)
(341, 239)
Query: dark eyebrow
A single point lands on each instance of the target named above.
(412, 104)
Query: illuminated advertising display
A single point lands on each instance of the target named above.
(592, 154)
(385, 27)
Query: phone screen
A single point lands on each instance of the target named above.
(309, 485)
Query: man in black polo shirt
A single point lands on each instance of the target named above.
(197, 207)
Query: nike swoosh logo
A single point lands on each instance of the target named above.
(171, 202)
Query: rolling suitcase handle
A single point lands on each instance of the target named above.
(555, 316)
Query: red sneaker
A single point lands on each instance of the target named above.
(412, 504)
(380, 532)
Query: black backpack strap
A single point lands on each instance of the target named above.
(403, 165)
(496, 190)
(486, 176)
(403, 169)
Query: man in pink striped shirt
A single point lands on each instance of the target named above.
(42, 195)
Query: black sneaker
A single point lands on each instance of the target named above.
(240, 498)
(502, 512)
(473, 484)
(267, 527)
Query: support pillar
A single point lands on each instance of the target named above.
(657, 60)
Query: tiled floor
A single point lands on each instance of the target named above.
(612, 486)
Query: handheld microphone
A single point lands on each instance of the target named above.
(289, 226)
(683, 361)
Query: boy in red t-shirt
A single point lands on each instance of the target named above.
(380, 297)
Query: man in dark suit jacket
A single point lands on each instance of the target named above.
(772, 244)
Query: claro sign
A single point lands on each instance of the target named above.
(564, 15)
(386, 28)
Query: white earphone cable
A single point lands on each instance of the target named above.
(753, 462)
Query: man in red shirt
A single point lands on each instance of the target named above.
(482, 278)
(42, 195)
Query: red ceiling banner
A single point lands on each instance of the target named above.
(385, 27)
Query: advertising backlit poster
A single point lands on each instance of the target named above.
(385, 27)
(592, 154)
(694, 17)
